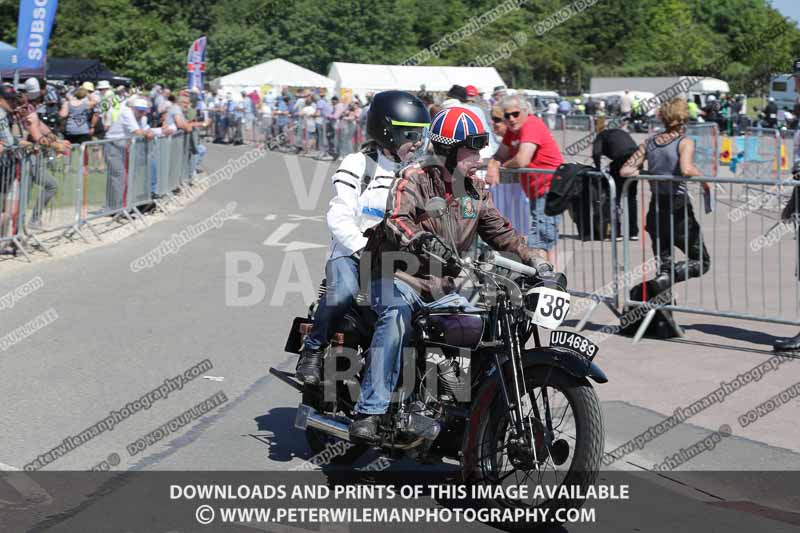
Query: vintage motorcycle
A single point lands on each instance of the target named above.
(474, 394)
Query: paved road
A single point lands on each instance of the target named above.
(115, 334)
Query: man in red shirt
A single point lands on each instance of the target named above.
(528, 143)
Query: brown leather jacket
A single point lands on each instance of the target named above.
(470, 214)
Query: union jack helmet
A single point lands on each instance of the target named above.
(458, 126)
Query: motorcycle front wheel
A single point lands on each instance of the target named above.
(563, 419)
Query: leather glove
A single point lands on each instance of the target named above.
(547, 273)
(428, 243)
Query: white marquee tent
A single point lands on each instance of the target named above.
(275, 72)
(363, 78)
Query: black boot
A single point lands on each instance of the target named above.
(690, 269)
(661, 283)
(309, 366)
(365, 428)
(787, 345)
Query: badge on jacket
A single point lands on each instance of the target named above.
(468, 208)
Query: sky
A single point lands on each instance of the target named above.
(789, 8)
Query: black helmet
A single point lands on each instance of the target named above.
(396, 117)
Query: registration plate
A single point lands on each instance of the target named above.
(575, 342)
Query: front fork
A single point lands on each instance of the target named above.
(514, 397)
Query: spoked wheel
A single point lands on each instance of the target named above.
(562, 444)
(343, 452)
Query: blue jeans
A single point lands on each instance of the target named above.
(198, 158)
(395, 302)
(544, 228)
(154, 175)
(341, 275)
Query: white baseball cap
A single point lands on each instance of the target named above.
(140, 103)
(32, 86)
(103, 85)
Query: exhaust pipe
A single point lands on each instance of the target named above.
(307, 417)
(288, 378)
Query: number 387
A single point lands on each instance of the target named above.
(555, 306)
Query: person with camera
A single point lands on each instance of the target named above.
(401, 288)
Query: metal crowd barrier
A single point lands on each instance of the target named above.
(759, 151)
(104, 181)
(43, 192)
(706, 146)
(142, 172)
(749, 257)
(261, 129)
(706, 143)
(50, 194)
(12, 196)
(586, 248)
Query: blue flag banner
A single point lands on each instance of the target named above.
(196, 63)
(33, 31)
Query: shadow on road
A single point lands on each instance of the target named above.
(277, 432)
(732, 332)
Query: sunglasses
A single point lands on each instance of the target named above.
(497, 119)
(514, 114)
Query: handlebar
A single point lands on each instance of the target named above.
(514, 266)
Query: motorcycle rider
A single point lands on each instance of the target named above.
(397, 125)
(457, 136)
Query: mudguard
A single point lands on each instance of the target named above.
(567, 360)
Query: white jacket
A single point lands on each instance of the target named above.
(355, 207)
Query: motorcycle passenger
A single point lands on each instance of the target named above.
(457, 136)
(397, 125)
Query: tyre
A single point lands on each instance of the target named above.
(572, 457)
(319, 441)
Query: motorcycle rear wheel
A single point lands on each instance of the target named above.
(584, 437)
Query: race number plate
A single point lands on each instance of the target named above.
(575, 342)
(552, 307)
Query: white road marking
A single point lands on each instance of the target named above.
(270, 217)
(283, 231)
(312, 218)
(297, 245)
